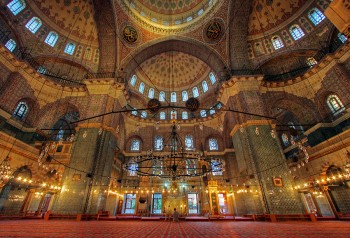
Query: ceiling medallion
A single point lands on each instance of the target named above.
(214, 31)
(130, 34)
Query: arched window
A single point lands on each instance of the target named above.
(203, 113)
(195, 92)
(162, 96)
(311, 61)
(277, 42)
(189, 145)
(34, 24)
(162, 116)
(184, 115)
(173, 97)
(133, 80)
(151, 93)
(213, 144)
(41, 69)
(10, 44)
(51, 38)
(285, 139)
(212, 78)
(184, 96)
(135, 145)
(16, 6)
(142, 87)
(21, 110)
(316, 16)
(335, 104)
(158, 143)
(296, 32)
(342, 37)
(70, 47)
(205, 86)
(173, 115)
(143, 114)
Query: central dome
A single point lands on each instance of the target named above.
(169, 13)
(173, 70)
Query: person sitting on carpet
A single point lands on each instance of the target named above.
(176, 216)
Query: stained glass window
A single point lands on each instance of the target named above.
(162, 96)
(213, 144)
(10, 44)
(316, 16)
(335, 104)
(277, 42)
(21, 110)
(195, 92)
(51, 38)
(173, 97)
(212, 78)
(342, 37)
(16, 6)
(135, 145)
(173, 115)
(162, 116)
(184, 96)
(33, 24)
(296, 32)
(70, 47)
(158, 143)
(189, 145)
(41, 70)
(184, 115)
(216, 166)
(151, 93)
(205, 86)
(144, 114)
(142, 87)
(133, 80)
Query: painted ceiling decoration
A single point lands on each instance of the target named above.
(173, 70)
(168, 14)
(75, 17)
(268, 14)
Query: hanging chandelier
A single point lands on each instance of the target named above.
(175, 161)
(5, 170)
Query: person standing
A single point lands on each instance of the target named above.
(176, 216)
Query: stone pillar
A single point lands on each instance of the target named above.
(86, 180)
(338, 12)
(262, 164)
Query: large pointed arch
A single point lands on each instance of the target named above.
(196, 49)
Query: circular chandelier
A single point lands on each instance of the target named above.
(174, 161)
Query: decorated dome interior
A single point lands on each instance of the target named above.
(168, 13)
(173, 70)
